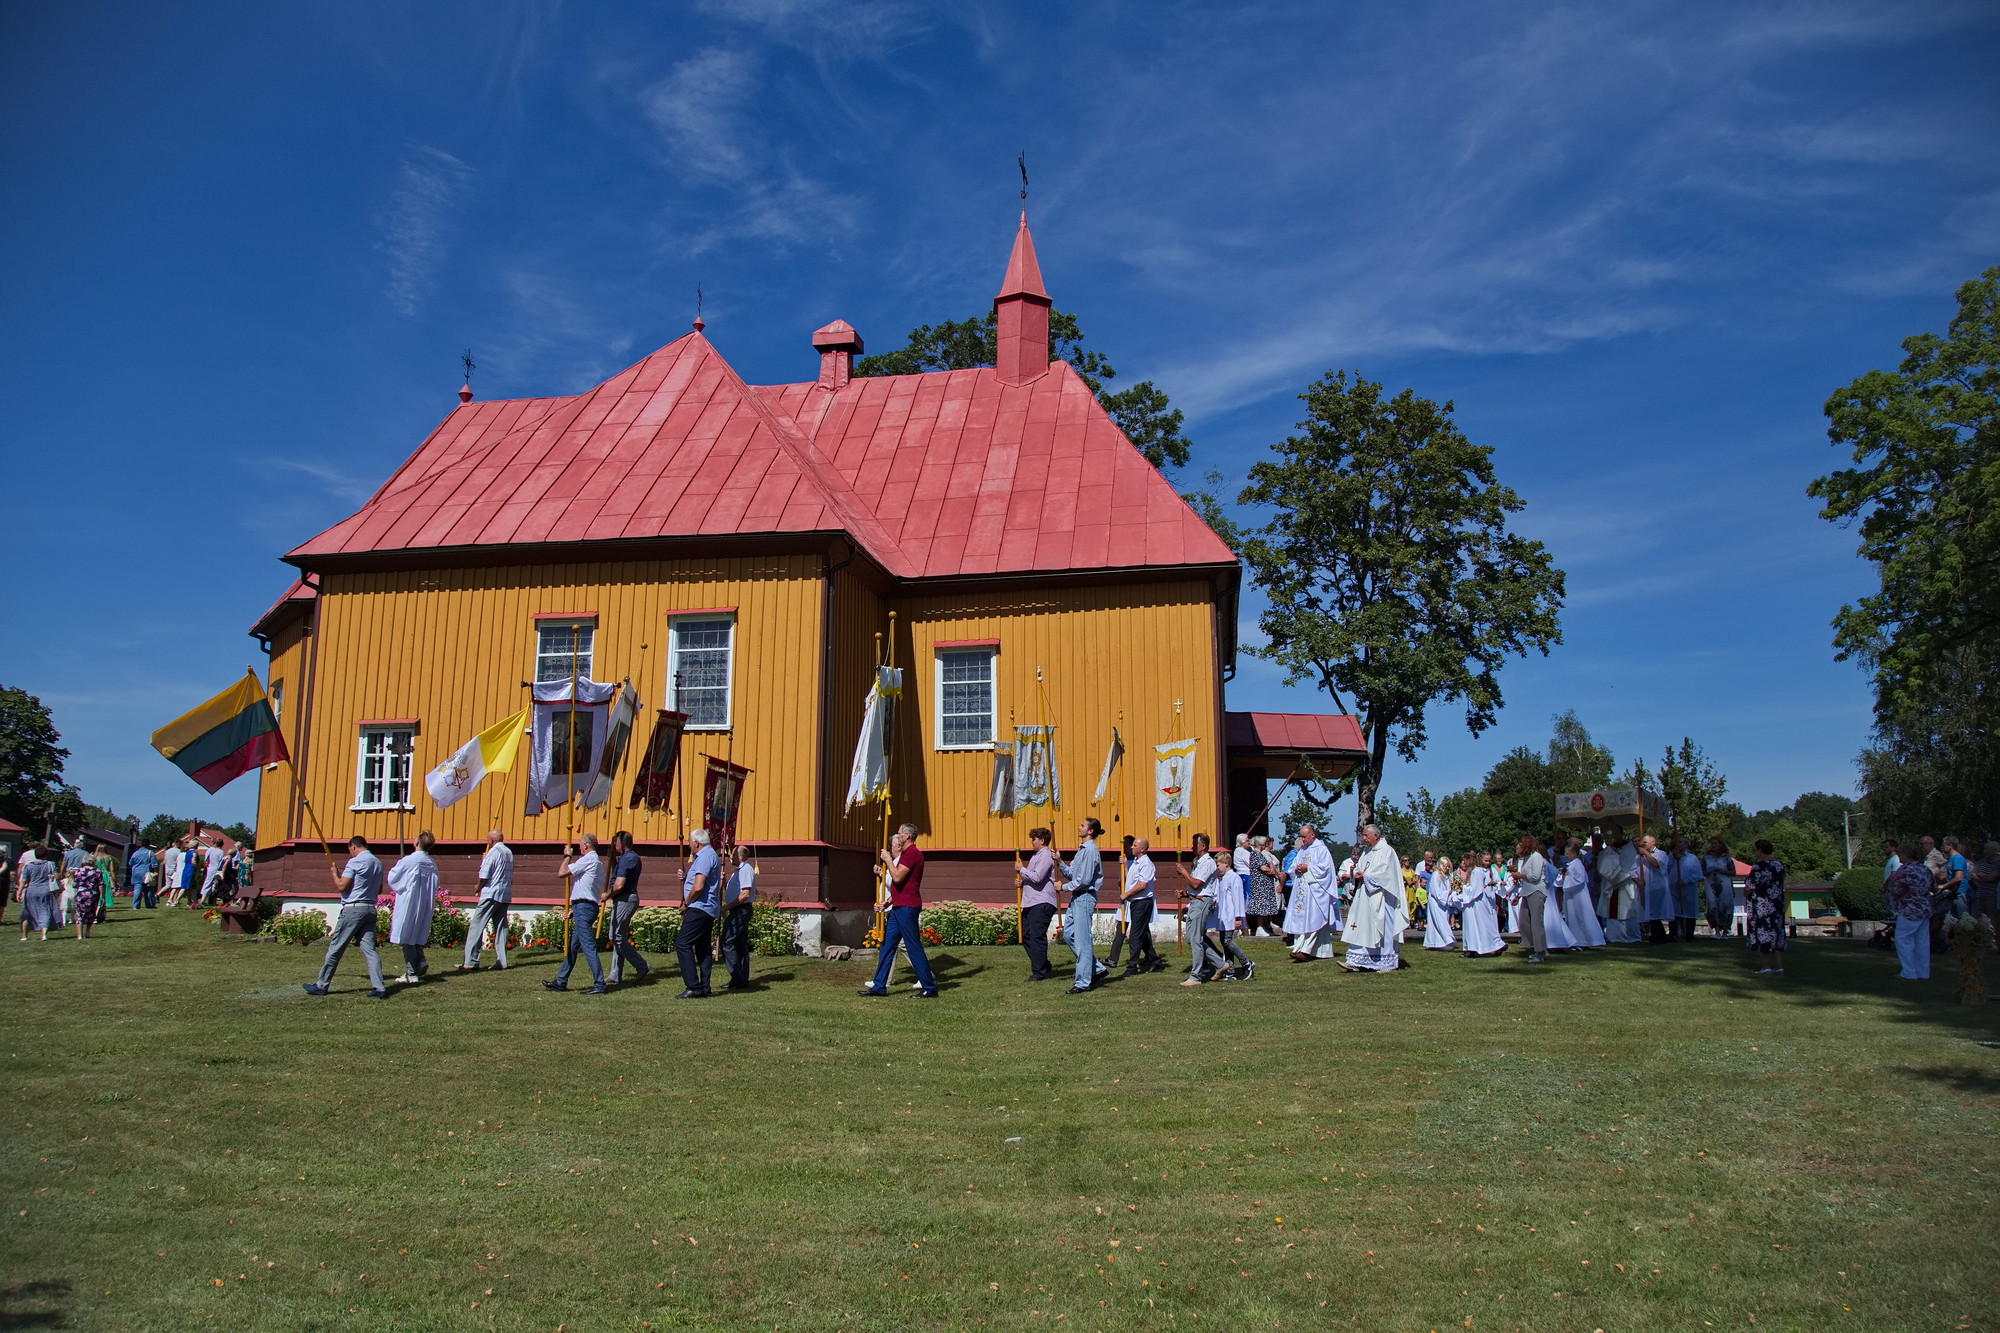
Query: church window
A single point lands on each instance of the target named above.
(700, 667)
(561, 643)
(382, 765)
(965, 708)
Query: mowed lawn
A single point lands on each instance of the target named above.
(1635, 1139)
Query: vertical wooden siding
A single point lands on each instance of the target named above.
(1135, 647)
(451, 648)
(858, 614)
(274, 785)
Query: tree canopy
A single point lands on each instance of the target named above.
(31, 761)
(1143, 412)
(1924, 493)
(1392, 577)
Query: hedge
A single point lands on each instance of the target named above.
(1858, 894)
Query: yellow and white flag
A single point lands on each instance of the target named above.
(491, 751)
(1173, 779)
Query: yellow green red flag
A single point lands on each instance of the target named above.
(226, 737)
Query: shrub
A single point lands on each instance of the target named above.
(1858, 894)
(448, 928)
(267, 910)
(774, 932)
(654, 929)
(301, 925)
(958, 923)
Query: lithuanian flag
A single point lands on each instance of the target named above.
(226, 737)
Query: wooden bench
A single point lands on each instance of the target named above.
(240, 916)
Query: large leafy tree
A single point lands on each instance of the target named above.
(1576, 762)
(1693, 788)
(1392, 577)
(1143, 412)
(1924, 493)
(31, 763)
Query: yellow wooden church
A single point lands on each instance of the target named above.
(736, 552)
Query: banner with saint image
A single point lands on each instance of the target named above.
(722, 800)
(653, 785)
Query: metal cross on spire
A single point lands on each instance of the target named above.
(1022, 163)
(466, 361)
(699, 323)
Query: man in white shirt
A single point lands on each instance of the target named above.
(496, 895)
(1381, 909)
(1310, 918)
(1199, 893)
(585, 874)
(213, 859)
(1141, 876)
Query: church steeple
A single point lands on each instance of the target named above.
(1021, 314)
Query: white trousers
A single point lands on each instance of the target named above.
(1913, 949)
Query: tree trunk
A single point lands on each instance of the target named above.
(1368, 780)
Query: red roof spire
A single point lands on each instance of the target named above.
(1021, 314)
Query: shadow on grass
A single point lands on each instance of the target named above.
(33, 1293)
(1963, 1078)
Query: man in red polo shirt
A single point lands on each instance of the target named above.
(904, 865)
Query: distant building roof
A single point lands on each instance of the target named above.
(9, 826)
(1331, 741)
(938, 475)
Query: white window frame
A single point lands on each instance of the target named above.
(388, 780)
(675, 623)
(275, 693)
(991, 652)
(586, 657)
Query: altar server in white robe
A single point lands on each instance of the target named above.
(1380, 912)
(1310, 918)
(1656, 891)
(1617, 885)
(1477, 916)
(1554, 929)
(1507, 889)
(1574, 891)
(414, 881)
(1443, 901)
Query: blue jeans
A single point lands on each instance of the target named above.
(1076, 934)
(583, 937)
(900, 927)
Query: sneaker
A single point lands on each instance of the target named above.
(310, 988)
(1247, 971)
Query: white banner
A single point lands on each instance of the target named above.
(617, 735)
(1173, 779)
(1111, 758)
(568, 741)
(1000, 799)
(868, 779)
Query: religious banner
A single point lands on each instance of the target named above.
(653, 786)
(1036, 781)
(1111, 758)
(1610, 806)
(617, 736)
(868, 780)
(721, 799)
(1173, 779)
(1000, 797)
(567, 738)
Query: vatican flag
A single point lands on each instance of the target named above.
(491, 751)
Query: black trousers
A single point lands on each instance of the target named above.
(736, 945)
(1035, 936)
(697, 931)
(1140, 932)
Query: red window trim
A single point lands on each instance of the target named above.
(703, 611)
(413, 723)
(565, 615)
(966, 643)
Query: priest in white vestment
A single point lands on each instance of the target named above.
(1617, 880)
(1380, 912)
(1573, 899)
(414, 881)
(1310, 917)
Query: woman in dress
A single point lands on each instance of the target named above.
(88, 889)
(1262, 908)
(38, 891)
(1437, 912)
(1766, 893)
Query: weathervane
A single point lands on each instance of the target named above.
(698, 323)
(466, 361)
(1022, 163)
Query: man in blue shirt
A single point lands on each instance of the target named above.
(1083, 874)
(143, 864)
(358, 883)
(739, 897)
(625, 901)
(701, 903)
(584, 874)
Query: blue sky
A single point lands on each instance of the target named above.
(1637, 244)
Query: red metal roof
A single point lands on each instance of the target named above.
(1293, 732)
(934, 475)
(294, 601)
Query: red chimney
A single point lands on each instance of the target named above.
(838, 345)
(1021, 312)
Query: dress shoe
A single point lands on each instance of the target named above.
(871, 991)
(310, 987)
(1077, 990)
(927, 995)
(599, 989)
(555, 985)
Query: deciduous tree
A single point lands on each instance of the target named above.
(1693, 788)
(1392, 577)
(31, 762)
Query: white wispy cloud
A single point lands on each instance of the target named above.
(699, 110)
(333, 481)
(415, 222)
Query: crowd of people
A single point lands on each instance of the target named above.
(72, 888)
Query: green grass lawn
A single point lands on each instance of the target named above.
(1628, 1140)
